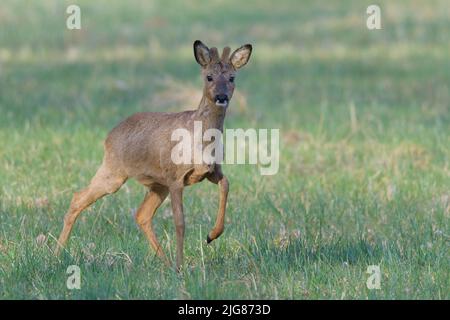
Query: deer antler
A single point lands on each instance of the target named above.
(214, 55)
(225, 54)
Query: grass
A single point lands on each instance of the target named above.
(364, 171)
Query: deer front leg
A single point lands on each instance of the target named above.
(176, 197)
(222, 181)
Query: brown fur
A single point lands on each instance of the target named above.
(140, 148)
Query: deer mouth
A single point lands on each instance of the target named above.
(222, 103)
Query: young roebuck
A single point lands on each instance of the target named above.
(140, 147)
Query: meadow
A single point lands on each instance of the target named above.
(364, 177)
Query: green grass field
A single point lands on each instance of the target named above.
(364, 123)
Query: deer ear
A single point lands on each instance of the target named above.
(240, 56)
(201, 53)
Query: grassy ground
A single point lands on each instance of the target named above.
(364, 170)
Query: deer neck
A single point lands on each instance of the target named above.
(212, 116)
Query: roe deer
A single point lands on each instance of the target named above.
(140, 147)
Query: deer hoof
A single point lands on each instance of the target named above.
(208, 239)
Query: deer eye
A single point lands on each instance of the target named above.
(231, 79)
(209, 78)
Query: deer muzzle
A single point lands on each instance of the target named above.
(222, 100)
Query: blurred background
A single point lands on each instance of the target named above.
(365, 133)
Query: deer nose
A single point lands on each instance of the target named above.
(221, 98)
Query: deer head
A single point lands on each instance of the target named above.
(219, 73)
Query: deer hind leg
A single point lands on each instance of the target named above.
(222, 181)
(105, 181)
(145, 214)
